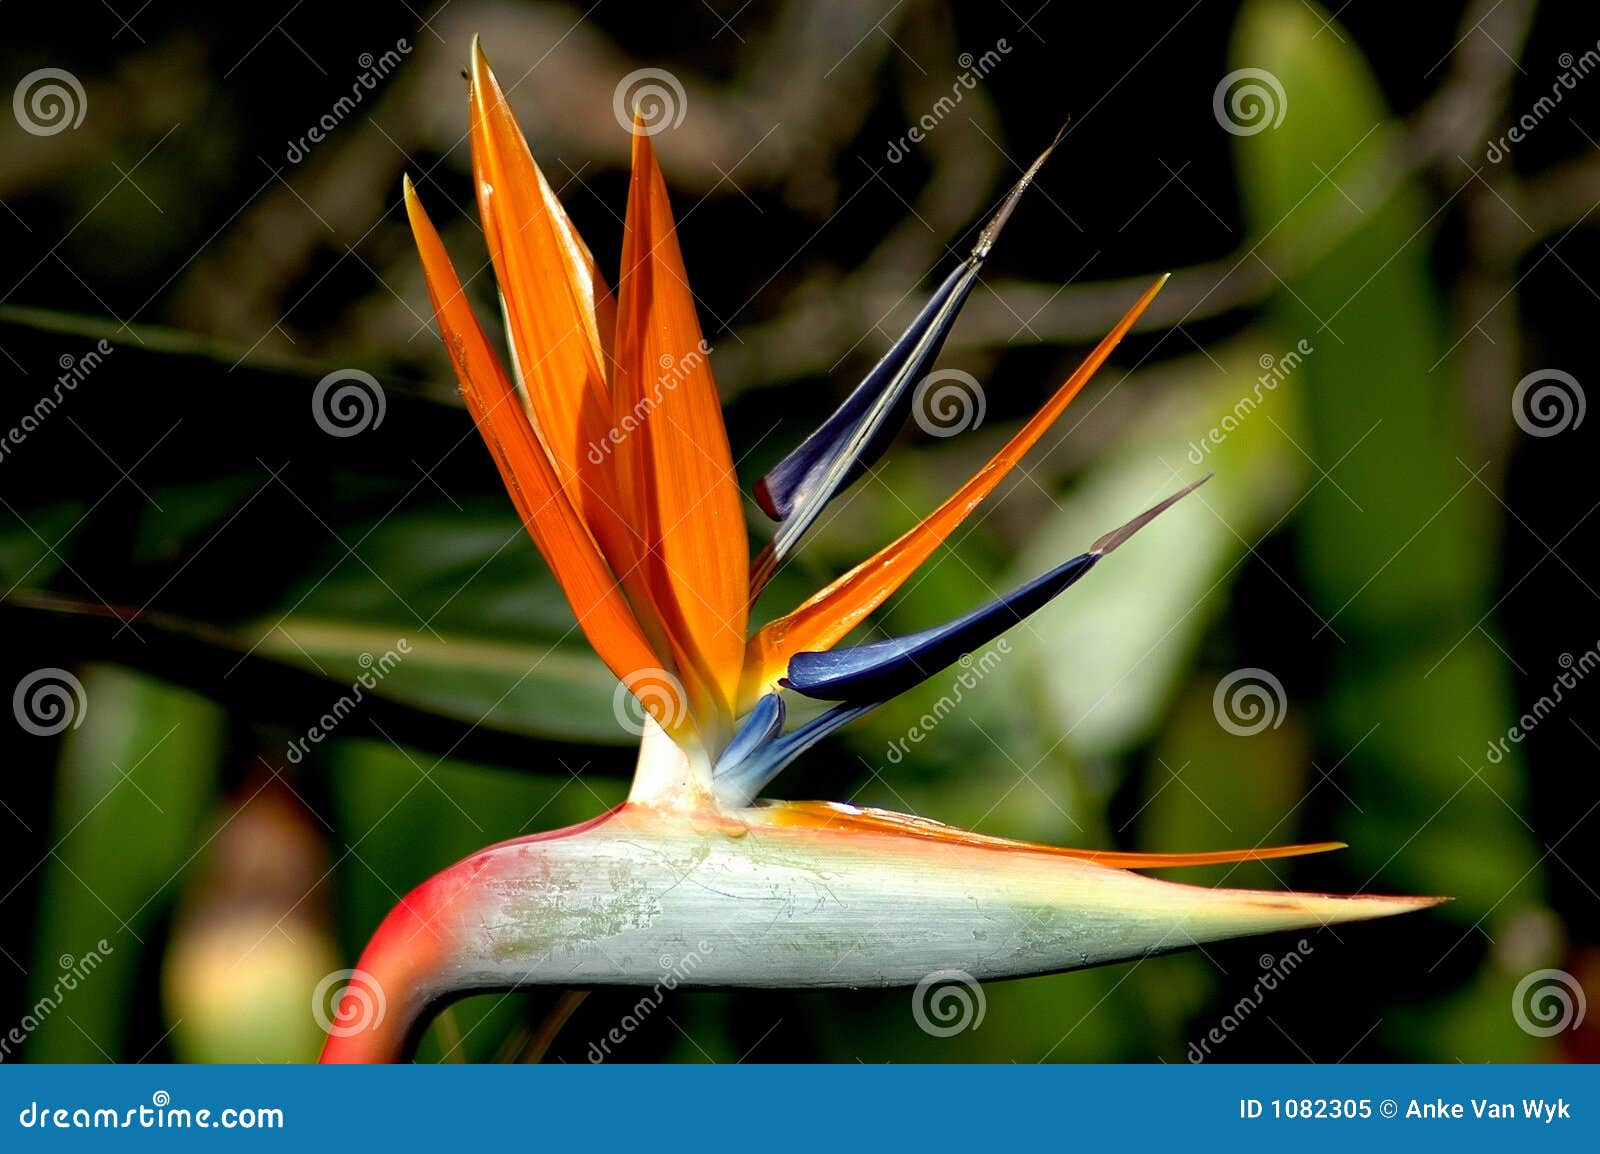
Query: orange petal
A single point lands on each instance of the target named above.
(529, 477)
(555, 301)
(839, 608)
(838, 816)
(675, 473)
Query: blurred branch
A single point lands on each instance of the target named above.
(822, 326)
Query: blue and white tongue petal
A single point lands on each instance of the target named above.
(759, 727)
(738, 783)
(858, 433)
(879, 670)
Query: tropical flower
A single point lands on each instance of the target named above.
(608, 434)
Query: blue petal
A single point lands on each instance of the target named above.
(879, 670)
(852, 439)
(739, 784)
(760, 726)
(871, 406)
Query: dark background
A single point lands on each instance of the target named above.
(1383, 538)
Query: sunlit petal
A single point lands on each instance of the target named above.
(602, 613)
(675, 472)
(840, 816)
(555, 303)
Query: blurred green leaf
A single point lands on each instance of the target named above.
(1105, 657)
(136, 779)
(1395, 531)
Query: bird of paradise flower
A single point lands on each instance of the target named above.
(609, 437)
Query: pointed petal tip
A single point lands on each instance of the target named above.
(1119, 536)
(1364, 906)
(1331, 908)
(991, 230)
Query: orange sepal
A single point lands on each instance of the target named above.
(674, 469)
(838, 816)
(832, 613)
(529, 477)
(555, 302)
